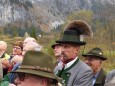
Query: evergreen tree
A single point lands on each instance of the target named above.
(0, 34)
(33, 33)
(14, 32)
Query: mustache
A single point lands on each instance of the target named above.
(63, 55)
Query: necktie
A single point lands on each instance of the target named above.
(94, 79)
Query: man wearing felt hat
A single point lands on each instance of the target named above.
(36, 70)
(94, 58)
(59, 58)
(75, 72)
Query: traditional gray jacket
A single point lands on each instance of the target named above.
(110, 79)
(78, 74)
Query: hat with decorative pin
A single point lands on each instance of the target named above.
(75, 31)
(97, 52)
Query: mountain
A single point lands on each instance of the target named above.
(44, 13)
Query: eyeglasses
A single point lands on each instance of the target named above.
(16, 48)
(21, 76)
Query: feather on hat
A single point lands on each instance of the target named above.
(74, 33)
(80, 26)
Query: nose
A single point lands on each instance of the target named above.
(17, 81)
(55, 49)
(62, 49)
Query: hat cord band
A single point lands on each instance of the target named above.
(36, 68)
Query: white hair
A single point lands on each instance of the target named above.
(3, 44)
(30, 39)
(34, 46)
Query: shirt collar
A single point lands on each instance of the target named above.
(96, 74)
(70, 63)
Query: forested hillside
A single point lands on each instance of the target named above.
(45, 20)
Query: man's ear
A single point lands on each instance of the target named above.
(101, 61)
(77, 49)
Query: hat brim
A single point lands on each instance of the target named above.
(73, 42)
(53, 46)
(38, 72)
(100, 57)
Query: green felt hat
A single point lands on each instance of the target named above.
(97, 52)
(74, 33)
(37, 63)
(53, 46)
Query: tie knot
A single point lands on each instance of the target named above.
(93, 76)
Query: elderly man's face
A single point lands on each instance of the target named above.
(57, 51)
(26, 48)
(70, 51)
(93, 62)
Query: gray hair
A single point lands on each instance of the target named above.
(35, 46)
(2, 43)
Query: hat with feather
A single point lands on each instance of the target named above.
(75, 31)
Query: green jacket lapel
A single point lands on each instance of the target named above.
(100, 78)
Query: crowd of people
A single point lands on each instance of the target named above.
(28, 65)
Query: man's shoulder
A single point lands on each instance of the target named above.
(101, 77)
(81, 67)
(111, 73)
(102, 72)
(111, 82)
(110, 76)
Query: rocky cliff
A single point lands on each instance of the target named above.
(42, 13)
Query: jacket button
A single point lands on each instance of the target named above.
(63, 81)
(68, 75)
